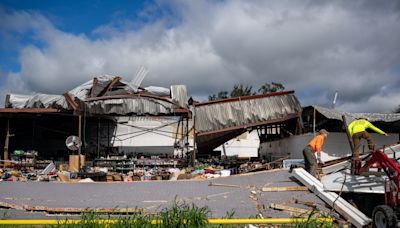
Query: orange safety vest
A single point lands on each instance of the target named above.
(317, 142)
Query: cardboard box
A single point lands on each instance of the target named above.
(73, 162)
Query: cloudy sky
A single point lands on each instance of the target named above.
(312, 47)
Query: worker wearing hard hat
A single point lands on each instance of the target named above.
(314, 147)
(357, 131)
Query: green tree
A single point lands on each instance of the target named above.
(270, 88)
(219, 95)
(240, 90)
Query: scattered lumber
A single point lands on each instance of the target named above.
(11, 205)
(266, 165)
(289, 209)
(35, 208)
(307, 203)
(223, 185)
(284, 189)
(70, 210)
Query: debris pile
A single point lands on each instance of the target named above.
(24, 166)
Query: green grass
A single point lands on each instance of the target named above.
(179, 215)
(313, 221)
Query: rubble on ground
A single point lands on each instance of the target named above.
(24, 166)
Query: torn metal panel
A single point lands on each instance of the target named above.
(206, 143)
(392, 152)
(372, 117)
(84, 91)
(109, 86)
(158, 91)
(92, 90)
(16, 100)
(105, 95)
(345, 182)
(179, 95)
(352, 214)
(136, 105)
(336, 167)
(242, 111)
(29, 110)
(36, 101)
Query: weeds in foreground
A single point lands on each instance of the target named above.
(313, 220)
(180, 215)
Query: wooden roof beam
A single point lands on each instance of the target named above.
(109, 86)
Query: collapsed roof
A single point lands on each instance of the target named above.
(372, 117)
(108, 95)
(218, 121)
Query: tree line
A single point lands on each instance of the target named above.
(240, 90)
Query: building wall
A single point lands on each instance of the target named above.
(148, 135)
(244, 146)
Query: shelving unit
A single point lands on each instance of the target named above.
(125, 165)
(25, 160)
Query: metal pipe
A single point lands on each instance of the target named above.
(210, 221)
(313, 125)
(80, 138)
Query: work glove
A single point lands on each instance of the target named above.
(320, 160)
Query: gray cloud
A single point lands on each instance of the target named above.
(313, 47)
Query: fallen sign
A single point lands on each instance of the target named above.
(283, 189)
(352, 214)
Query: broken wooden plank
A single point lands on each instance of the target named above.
(307, 203)
(289, 209)
(35, 208)
(266, 165)
(224, 185)
(11, 205)
(70, 101)
(72, 210)
(109, 86)
(283, 189)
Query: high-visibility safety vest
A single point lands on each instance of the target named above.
(317, 142)
(361, 125)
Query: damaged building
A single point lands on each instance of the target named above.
(115, 117)
(96, 112)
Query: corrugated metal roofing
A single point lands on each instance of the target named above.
(36, 101)
(233, 113)
(134, 105)
(372, 117)
(102, 101)
(179, 95)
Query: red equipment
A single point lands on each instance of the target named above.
(383, 215)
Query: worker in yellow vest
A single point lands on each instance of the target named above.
(357, 131)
